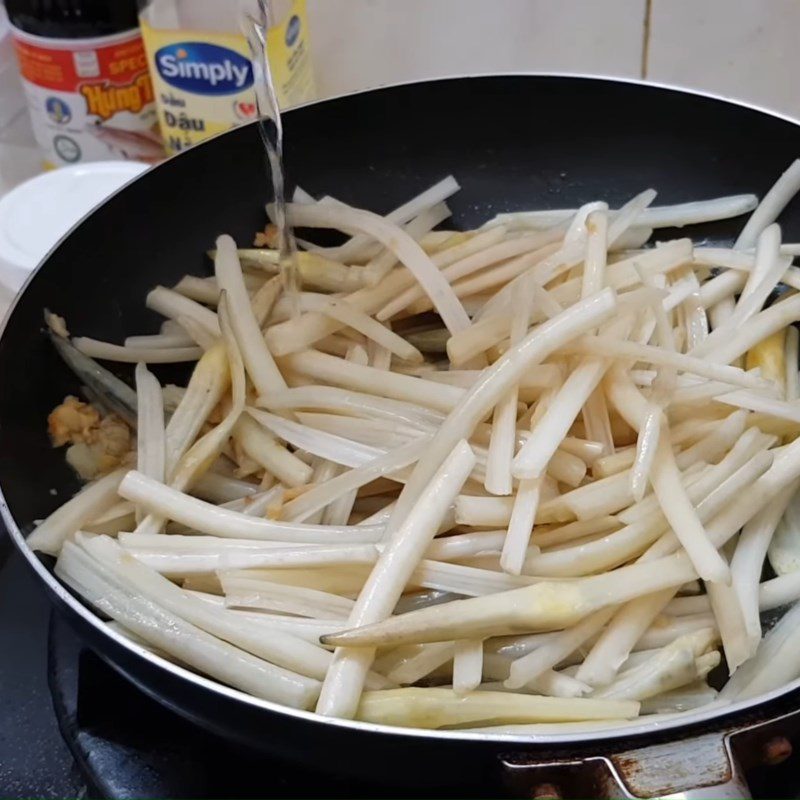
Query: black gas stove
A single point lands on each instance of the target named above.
(70, 727)
(34, 760)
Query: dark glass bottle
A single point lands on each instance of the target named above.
(72, 19)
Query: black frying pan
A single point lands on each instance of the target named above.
(512, 142)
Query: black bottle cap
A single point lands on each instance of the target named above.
(72, 19)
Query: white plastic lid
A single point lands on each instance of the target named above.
(37, 213)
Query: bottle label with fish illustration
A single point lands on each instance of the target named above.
(203, 79)
(90, 99)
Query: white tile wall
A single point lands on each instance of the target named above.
(745, 49)
(18, 159)
(366, 43)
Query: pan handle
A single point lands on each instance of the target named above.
(699, 768)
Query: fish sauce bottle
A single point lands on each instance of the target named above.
(84, 70)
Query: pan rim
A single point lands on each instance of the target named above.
(719, 715)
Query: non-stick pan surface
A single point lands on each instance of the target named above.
(511, 141)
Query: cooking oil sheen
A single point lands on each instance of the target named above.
(255, 23)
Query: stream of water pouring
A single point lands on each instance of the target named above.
(255, 22)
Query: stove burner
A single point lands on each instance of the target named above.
(128, 746)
